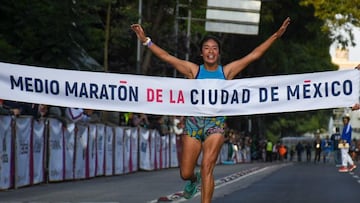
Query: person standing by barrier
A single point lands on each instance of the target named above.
(269, 148)
(317, 147)
(327, 147)
(347, 162)
(336, 138)
(205, 134)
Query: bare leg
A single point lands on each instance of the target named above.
(211, 150)
(191, 149)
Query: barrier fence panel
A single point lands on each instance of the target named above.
(91, 160)
(38, 152)
(56, 151)
(144, 150)
(174, 162)
(100, 149)
(127, 151)
(164, 151)
(134, 143)
(81, 141)
(119, 150)
(23, 151)
(6, 155)
(152, 145)
(29, 148)
(157, 140)
(109, 155)
(69, 152)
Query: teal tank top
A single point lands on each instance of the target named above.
(206, 74)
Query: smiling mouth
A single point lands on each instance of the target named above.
(211, 57)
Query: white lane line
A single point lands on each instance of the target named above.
(177, 196)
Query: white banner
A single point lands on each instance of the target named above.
(38, 151)
(5, 152)
(173, 96)
(22, 151)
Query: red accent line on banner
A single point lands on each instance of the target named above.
(123, 81)
(307, 81)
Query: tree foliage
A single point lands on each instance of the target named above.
(339, 16)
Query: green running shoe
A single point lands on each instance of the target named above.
(192, 187)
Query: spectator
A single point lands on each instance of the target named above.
(139, 120)
(269, 148)
(327, 147)
(308, 151)
(347, 162)
(7, 110)
(282, 151)
(299, 150)
(336, 138)
(317, 147)
(16, 108)
(78, 114)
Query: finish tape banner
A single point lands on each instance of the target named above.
(174, 96)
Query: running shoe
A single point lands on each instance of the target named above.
(352, 167)
(343, 169)
(192, 187)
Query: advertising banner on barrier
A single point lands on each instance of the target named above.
(158, 158)
(56, 150)
(100, 149)
(174, 96)
(6, 172)
(144, 149)
(109, 158)
(152, 143)
(38, 151)
(164, 151)
(91, 160)
(69, 152)
(134, 149)
(174, 162)
(23, 151)
(127, 151)
(81, 145)
(119, 150)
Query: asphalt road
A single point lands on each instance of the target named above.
(249, 183)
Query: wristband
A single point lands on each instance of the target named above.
(147, 42)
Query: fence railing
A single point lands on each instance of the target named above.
(43, 151)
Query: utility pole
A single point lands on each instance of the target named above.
(138, 52)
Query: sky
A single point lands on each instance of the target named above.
(354, 52)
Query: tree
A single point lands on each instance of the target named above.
(339, 16)
(50, 33)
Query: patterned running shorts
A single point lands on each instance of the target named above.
(201, 127)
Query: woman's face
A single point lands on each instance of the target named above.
(210, 51)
